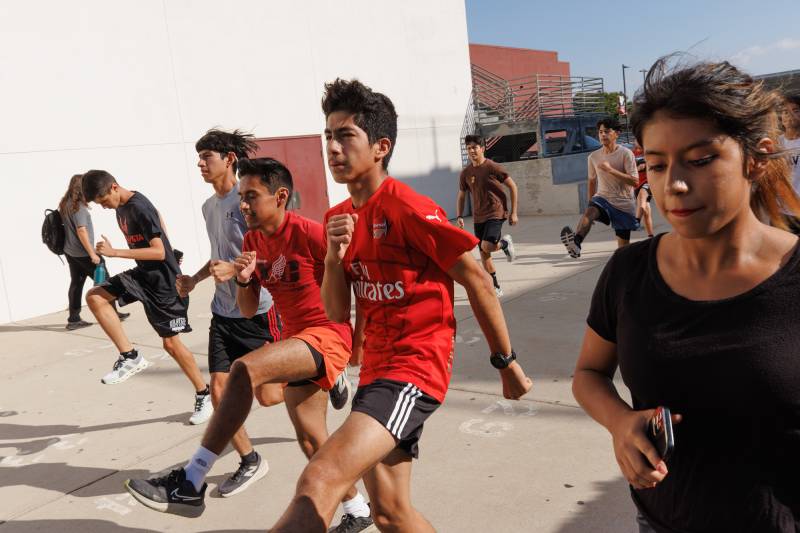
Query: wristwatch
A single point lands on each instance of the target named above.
(239, 283)
(501, 360)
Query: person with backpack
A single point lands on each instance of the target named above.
(78, 239)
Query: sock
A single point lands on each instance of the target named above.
(503, 244)
(494, 279)
(357, 506)
(578, 239)
(199, 465)
(133, 354)
(203, 392)
(250, 458)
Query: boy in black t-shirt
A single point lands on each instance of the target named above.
(151, 281)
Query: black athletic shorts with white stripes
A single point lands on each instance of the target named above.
(401, 407)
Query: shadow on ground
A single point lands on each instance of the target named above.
(88, 526)
(612, 512)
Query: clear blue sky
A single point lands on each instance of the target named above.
(761, 36)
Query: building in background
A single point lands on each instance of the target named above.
(538, 120)
(129, 86)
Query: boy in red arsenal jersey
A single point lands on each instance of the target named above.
(397, 252)
(284, 253)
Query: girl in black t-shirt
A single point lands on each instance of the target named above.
(701, 319)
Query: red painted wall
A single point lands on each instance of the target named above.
(302, 155)
(510, 63)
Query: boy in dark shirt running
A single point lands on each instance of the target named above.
(151, 281)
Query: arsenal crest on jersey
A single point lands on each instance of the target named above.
(379, 229)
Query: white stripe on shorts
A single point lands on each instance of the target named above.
(416, 394)
(402, 409)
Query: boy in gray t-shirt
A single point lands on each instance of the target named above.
(613, 177)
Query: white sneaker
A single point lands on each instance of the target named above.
(203, 409)
(511, 254)
(124, 368)
(498, 291)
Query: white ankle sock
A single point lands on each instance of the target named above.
(199, 465)
(356, 506)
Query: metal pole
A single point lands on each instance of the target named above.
(625, 95)
(643, 71)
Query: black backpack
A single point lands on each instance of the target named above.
(53, 232)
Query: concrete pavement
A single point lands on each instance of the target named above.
(67, 442)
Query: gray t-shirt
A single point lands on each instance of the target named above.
(81, 217)
(618, 193)
(226, 228)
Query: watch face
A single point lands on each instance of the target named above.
(498, 361)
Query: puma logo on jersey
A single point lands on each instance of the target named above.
(434, 216)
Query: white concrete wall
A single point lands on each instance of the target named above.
(128, 86)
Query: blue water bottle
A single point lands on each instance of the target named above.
(100, 273)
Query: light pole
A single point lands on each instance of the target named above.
(625, 96)
(644, 72)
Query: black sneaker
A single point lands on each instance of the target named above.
(78, 324)
(172, 490)
(340, 392)
(245, 475)
(352, 524)
(568, 240)
(122, 316)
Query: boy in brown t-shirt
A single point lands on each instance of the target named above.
(483, 178)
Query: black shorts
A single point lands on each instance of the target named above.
(401, 407)
(167, 314)
(319, 360)
(231, 338)
(645, 186)
(489, 230)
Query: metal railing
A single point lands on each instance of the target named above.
(496, 100)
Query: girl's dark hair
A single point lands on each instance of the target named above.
(373, 112)
(236, 141)
(73, 198)
(739, 107)
(273, 173)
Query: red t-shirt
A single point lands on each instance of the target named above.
(290, 265)
(397, 264)
(642, 173)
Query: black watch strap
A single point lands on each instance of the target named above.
(239, 283)
(501, 360)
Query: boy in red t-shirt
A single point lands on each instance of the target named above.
(642, 192)
(398, 253)
(284, 253)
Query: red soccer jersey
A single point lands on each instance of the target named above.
(290, 265)
(397, 264)
(638, 154)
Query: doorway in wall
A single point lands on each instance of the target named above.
(302, 155)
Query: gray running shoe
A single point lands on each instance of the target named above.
(340, 392)
(498, 291)
(354, 524)
(511, 254)
(125, 368)
(568, 240)
(245, 475)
